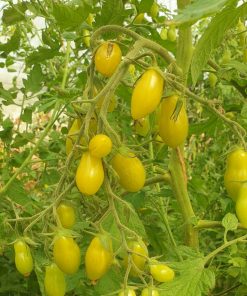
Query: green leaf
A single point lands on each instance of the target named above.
(212, 37)
(230, 222)
(22, 139)
(26, 116)
(41, 55)
(14, 14)
(145, 6)
(6, 133)
(109, 283)
(68, 16)
(107, 16)
(198, 10)
(17, 193)
(34, 80)
(191, 279)
(13, 43)
(240, 67)
(6, 95)
(244, 111)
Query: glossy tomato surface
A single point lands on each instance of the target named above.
(54, 282)
(130, 170)
(107, 58)
(161, 272)
(173, 131)
(147, 94)
(99, 257)
(138, 261)
(236, 172)
(241, 205)
(150, 291)
(66, 215)
(89, 174)
(66, 254)
(100, 145)
(129, 292)
(23, 258)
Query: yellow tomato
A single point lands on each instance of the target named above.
(107, 58)
(139, 19)
(173, 131)
(171, 34)
(54, 282)
(99, 257)
(142, 126)
(86, 37)
(23, 258)
(100, 145)
(66, 254)
(128, 292)
(161, 272)
(212, 79)
(163, 34)
(236, 172)
(147, 94)
(150, 291)
(66, 215)
(154, 10)
(89, 174)
(130, 170)
(241, 205)
(138, 261)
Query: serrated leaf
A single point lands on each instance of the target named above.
(107, 16)
(34, 80)
(26, 116)
(41, 55)
(6, 95)
(14, 14)
(68, 16)
(191, 279)
(13, 43)
(230, 222)
(17, 193)
(213, 36)
(198, 10)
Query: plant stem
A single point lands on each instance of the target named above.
(204, 224)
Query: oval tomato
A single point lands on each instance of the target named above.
(163, 34)
(100, 145)
(130, 170)
(173, 131)
(154, 10)
(147, 94)
(86, 37)
(161, 272)
(139, 19)
(107, 58)
(23, 258)
(54, 282)
(66, 254)
(99, 257)
(236, 172)
(150, 291)
(89, 174)
(142, 126)
(171, 34)
(129, 292)
(66, 215)
(241, 205)
(138, 261)
(212, 79)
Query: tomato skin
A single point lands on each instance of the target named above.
(54, 282)
(164, 34)
(98, 258)
(130, 170)
(142, 126)
(139, 261)
(171, 34)
(241, 205)
(150, 291)
(212, 79)
(86, 37)
(173, 132)
(130, 292)
(236, 172)
(89, 174)
(161, 272)
(23, 258)
(154, 10)
(66, 215)
(66, 254)
(139, 19)
(107, 58)
(100, 146)
(147, 94)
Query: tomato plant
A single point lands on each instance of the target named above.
(66, 215)
(150, 291)
(23, 258)
(100, 146)
(161, 272)
(54, 282)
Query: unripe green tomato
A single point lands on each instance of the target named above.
(212, 79)
(171, 34)
(139, 19)
(150, 291)
(161, 272)
(66, 215)
(242, 33)
(163, 34)
(54, 281)
(154, 10)
(241, 205)
(86, 37)
(129, 292)
(226, 57)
